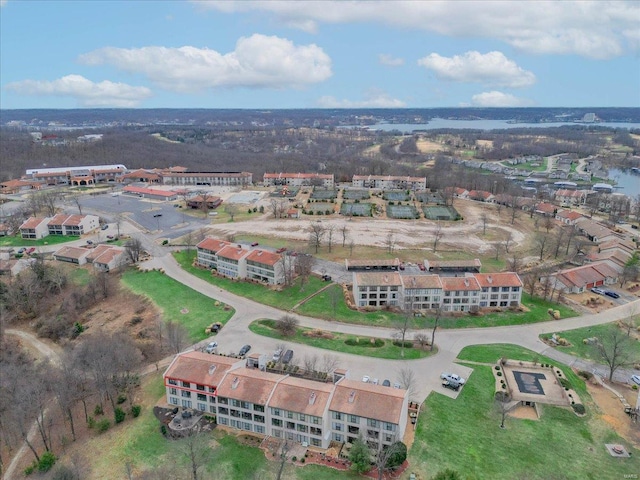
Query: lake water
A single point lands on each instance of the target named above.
(630, 182)
(438, 123)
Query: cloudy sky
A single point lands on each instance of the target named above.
(326, 54)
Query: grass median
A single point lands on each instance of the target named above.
(179, 303)
(464, 434)
(340, 342)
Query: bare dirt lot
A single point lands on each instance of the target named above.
(612, 412)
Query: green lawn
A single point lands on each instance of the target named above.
(579, 349)
(79, 276)
(464, 434)
(49, 240)
(337, 343)
(285, 299)
(172, 296)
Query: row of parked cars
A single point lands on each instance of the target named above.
(608, 293)
(375, 381)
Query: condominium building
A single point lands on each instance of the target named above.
(207, 252)
(301, 410)
(499, 289)
(377, 289)
(460, 294)
(389, 182)
(421, 292)
(62, 224)
(298, 179)
(34, 228)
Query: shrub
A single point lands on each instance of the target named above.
(165, 242)
(135, 320)
(62, 472)
(76, 330)
(294, 458)
(91, 422)
(497, 367)
(578, 408)
(121, 399)
(499, 374)
(135, 411)
(30, 469)
(103, 425)
(163, 430)
(98, 410)
(634, 387)
(565, 383)
(407, 344)
(119, 415)
(47, 460)
(302, 460)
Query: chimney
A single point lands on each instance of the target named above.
(466, 282)
(212, 369)
(352, 396)
(386, 279)
(312, 398)
(235, 383)
(490, 279)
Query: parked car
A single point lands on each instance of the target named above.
(110, 237)
(635, 379)
(255, 244)
(386, 383)
(452, 377)
(375, 381)
(612, 294)
(157, 215)
(276, 355)
(105, 226)
(89, 242)
(30, 250)
(422, 267)
(211, 348)
(366, 379)
(326, 278)
(451, 384)
(288, 355)
(599, 291)
(397, 385)
(244, 350)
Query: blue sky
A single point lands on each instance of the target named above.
(327, 54)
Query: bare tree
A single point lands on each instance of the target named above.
(278, 207)
(282, 449)
(436, 319)
(288, 268)
(330, 231)
(615, 349)
(48, 200)
(329, 363)
(133, 249)
(402, 327)
(437, 235)
(484, 218)
(345, 234)
(540, 242)
(310, 363)
(388, 458)
(351, 245)
(304, 266)
(407, 379)
(507, 241)
(287, 325)
(422, 339)
(76, 200)
(195, 448)
(390, 242)
(231, 210)
(515, 263)
(176, 335)
(316, 234)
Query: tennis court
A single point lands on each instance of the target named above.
(356, 209)
(319, 207)
(396, 196)
(324, 194)
(356, 194)
(429, 197)
(441, 213)
(402, 211)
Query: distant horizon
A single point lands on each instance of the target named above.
(324, 108)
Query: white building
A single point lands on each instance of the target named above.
(389, 182)
(298, 179)
(62, 224)
(34, 228)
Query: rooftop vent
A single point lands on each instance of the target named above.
(312, 398)
(352, 396)
(212, 369)
(466, 282)
(490, 279)
(235, 383)
(259, 252)
(386, 279)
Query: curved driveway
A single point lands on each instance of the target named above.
(449, 341)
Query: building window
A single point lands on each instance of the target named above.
(258, 418)
(186, 384)
(338, 437)
(212, 409)
(173, 400)
(289, 414)
(235, 403)
(223, 400)
(302, 417)
(316, 420)
(316, 442)
(212, 399)
(353, 419)
(173, 391)
(200, 387)
(372, 423)
(336, 415)
(223, 410)
(259, 429)
(202, 397)
(276, 412)
(259, 408)
(276, 422)
(290, 425)
(223, 421)
(202, 407)
(172, 382)
(337, 426)
(186, 403)
(186, 394)
(302, 428)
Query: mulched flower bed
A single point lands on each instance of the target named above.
(332, 462)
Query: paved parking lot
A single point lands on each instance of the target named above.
(151, 215)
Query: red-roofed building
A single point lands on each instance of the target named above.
(231, 261)
(15, 186)
(499, 289)
(481, 196)
(545, 209)
(199, 200)
(265, 267)
(207, 252)
(152, 193)
(62, 224)
(141, 175)
(568, 217)
(106, 258)
(75, 255)
(460, 294)
(34, 228)
(581, 279)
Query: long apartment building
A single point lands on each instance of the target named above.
(429, 292)
(389, 182)
(298, 179)
(236, 261)
(62, 224)
(301, 410)
(179, 176)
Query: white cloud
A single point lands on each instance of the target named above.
(594, 29)
(258, 61)
(86, 92)
(374, 99)
(390, 61)
(498, 99)
(492, 68)
(3, 3)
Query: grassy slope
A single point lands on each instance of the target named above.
(464, 434)
(579, 349)
(48, 240)
(172, 296)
